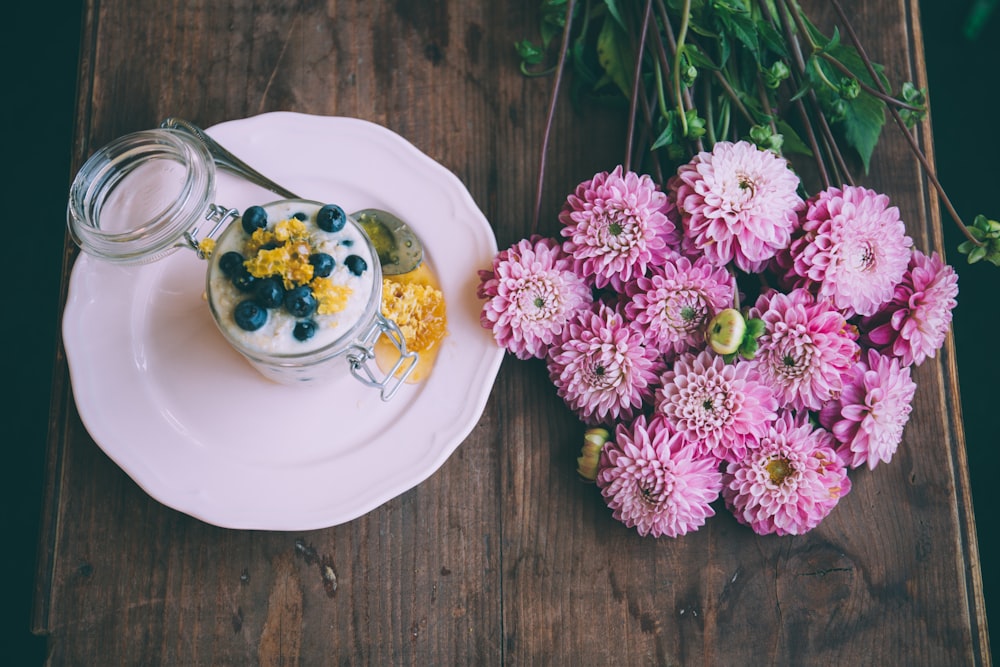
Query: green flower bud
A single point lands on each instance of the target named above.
(590, 454)
(850, 88)
(775, 74)
(726, 331)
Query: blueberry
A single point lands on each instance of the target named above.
(300, 216)
(304, 329)
(322, 264)
(269, 292)
(356, 264)
(300, 301)
(249, 315)
(331, 218)
(254, 218)
(231, 263)
(243, 280)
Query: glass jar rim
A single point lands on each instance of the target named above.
(152, 234)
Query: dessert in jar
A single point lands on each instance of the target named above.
(294, 285)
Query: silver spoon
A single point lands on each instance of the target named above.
(399, 249)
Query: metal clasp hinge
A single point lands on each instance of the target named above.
(361, 354)
(220, 217)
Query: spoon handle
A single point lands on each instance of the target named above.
(227, 160)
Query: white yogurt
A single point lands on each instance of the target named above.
(275, 337)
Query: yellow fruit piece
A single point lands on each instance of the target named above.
(414, 301)
(418, 309)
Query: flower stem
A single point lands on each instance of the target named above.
(636, 80)
(681, 36)
(560, 68)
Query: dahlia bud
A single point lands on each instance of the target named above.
(726, 331)
(590, 454)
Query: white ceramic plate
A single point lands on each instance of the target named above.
(194, 425)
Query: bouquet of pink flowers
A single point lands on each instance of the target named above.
(721, 336)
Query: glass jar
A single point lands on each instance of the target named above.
(150, 193)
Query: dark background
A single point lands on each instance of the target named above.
(42, 50)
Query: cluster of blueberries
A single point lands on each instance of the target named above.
(270, 292)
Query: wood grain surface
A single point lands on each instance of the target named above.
(502, 556)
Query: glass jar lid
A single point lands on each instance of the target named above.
(139, 197)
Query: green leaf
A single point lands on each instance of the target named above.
(755, 327)
(614, 55)
(977, 254)
(738, 22)
(793, 142)
(772, 39)
(614, 11)
(698, 58)
(965, 247)
(863, 124)
(667, 135)
(748, 348)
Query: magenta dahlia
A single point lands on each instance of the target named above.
(722, 409)
(854, 249)
(655, 482)
(531, 292)
(676, 301)
(603, 369)
(807, 348)
(914, 324)
(788, 484)
(617, 224)
(738, 204)
(869, 416)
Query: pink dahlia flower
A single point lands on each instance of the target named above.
(654, 481)
(602, 369)
(722, 409)
(676, 301)
(914, 324)
(790, 483)
(869, 417)
(616, 225)
(737, 204)
(531, 292)
(854, 249)
(807, 348)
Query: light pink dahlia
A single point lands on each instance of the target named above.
(914, 324)
(790, 483)
(722, 409)
(869, 417)
(676, 301)
(854, 249)
(602, 369)
(655, 482)
(807, 348)
(531, 292)
(617, 224)
(737, 203)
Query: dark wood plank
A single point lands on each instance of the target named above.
(502, 556)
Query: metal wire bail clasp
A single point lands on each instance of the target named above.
(220, 216)
(361, 355)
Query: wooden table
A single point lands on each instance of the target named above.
(502, 555)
